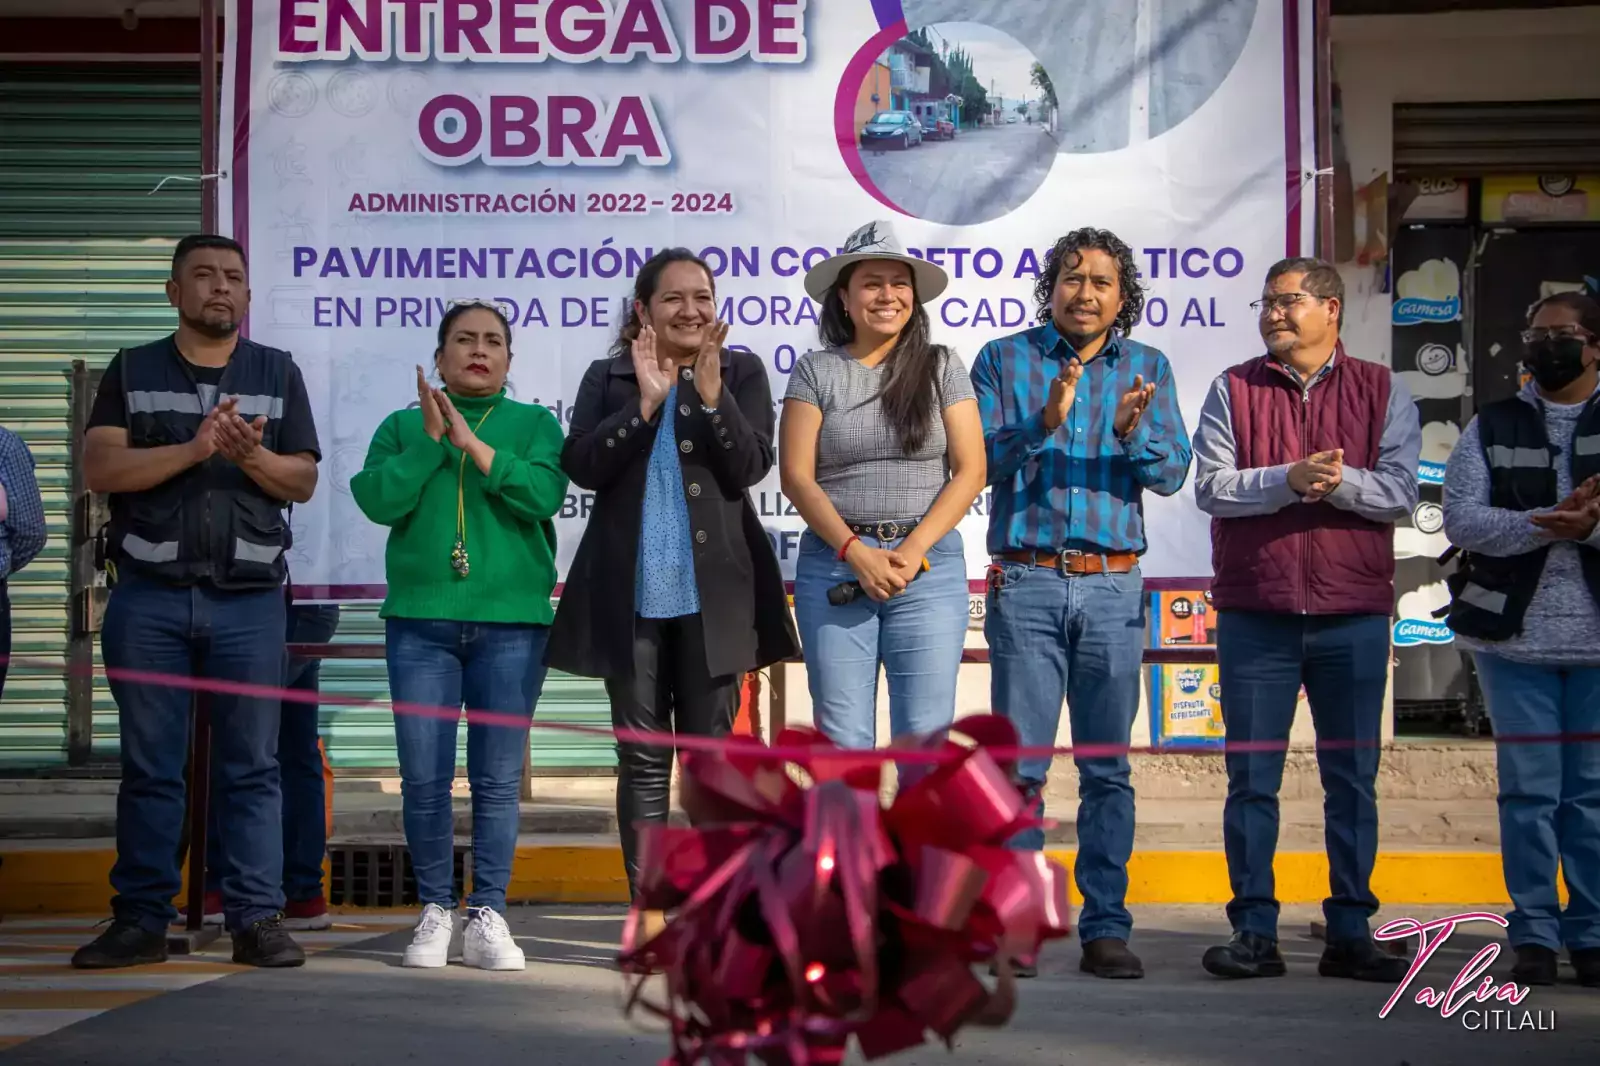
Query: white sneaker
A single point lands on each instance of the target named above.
(487, 942)
(430, 945)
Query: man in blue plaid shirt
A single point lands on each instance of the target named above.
(1079, 421)
(22, 528)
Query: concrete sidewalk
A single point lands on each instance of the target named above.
(1430, 795)
(1438, 843)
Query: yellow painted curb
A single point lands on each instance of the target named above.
(64, 879)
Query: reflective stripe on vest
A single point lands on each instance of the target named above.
(255, 406)
(1503, 457)
(244, 551)
(1483, 599)
(188, 403)
(147, 552)
(1589, 445)
(150, 403)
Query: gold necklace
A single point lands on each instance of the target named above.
(458, 555)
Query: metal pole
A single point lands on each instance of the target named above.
(80, 642)
(1322, 47)
(208, 115)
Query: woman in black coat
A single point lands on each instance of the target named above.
(675, 592)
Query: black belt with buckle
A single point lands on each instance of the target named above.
(888, 529)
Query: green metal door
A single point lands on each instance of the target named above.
(86, 242)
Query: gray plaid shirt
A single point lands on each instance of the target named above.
(860, 463)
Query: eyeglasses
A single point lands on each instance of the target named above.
(1556, 333)
(1282, 302)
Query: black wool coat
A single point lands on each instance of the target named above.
(742, 603)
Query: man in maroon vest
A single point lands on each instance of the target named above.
(1305, 457)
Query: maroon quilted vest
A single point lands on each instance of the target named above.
(1307, 558)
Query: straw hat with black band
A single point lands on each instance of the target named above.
(875, 240)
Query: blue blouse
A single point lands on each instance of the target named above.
(665, 581)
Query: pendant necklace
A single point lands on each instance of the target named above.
(458, 554)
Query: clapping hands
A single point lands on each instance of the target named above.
(1575, 517)
(1317, 475)
(1063, 391)
(225, 432)
(654, 382)
(1131, 408)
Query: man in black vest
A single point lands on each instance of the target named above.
(1522, 504)
(201, 439)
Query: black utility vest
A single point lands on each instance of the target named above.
(211, 523)
(1490, 594)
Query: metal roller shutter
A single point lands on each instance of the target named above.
(84, 248)
(1471, 140)
(85, 245)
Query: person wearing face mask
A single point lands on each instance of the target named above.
(674, 593)
(882, 454)
(1080, 421)
(201, 439)
(1522, 505)
(1305, 458)
(468, 481)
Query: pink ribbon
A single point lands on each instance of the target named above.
(798, 916)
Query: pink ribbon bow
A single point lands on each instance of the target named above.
(799, 916)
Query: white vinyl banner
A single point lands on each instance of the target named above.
(391, 156)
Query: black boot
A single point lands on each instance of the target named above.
(1362, 960)
(1535, 965)
(267, 944)
(1110, 958)
(123, 944)
(1246, 955)
(1587, 962)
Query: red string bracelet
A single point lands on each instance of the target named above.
(846, 548)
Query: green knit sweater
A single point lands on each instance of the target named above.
(409, 484)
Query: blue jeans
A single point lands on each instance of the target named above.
(200, 632)
(915, 637)
(305, 812)
(1077, 637)
(1343, 662)
(1549, 798)
(436, 664)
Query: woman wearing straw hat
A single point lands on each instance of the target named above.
(881, 451)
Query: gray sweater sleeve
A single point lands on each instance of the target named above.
(1469, 522)
(1221, 489)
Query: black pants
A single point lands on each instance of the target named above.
(670, 691)
(5, 633)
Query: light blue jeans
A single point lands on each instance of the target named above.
(1078, 637)
(916, 638)
(482, 667)
(1549, 798)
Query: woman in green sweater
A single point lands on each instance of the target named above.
(468, 481)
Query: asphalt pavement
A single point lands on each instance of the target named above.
(354, 1004)
(981, 175)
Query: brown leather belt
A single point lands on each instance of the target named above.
(1076, 562)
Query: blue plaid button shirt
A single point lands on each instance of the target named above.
(1081, 487)
(23, 533)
